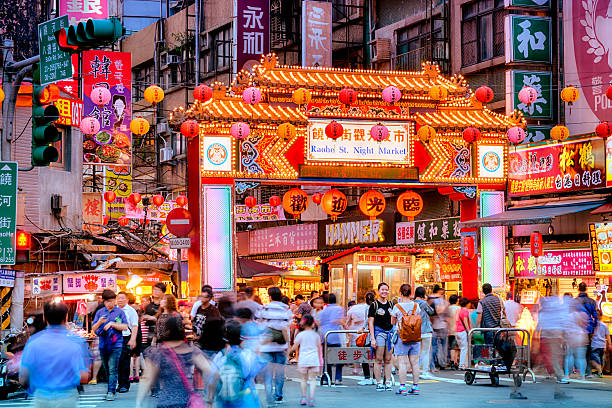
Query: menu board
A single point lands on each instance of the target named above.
(600, 235)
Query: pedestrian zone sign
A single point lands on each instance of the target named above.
(8, 212)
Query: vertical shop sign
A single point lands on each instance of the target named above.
(317, 34)
(55, 64)
(441, 229)
(251, 32)
(93, 211)
(588, 62)
(81, 10)
(528, 39)
(112, 145)
(119, 180)
(541, 108)
(8, 212)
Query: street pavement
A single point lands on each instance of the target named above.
(447, 389)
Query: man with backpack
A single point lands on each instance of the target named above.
(407, 316)
(276, 318)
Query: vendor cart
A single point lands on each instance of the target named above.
(509, 354)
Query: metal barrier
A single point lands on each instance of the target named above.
(343, 355)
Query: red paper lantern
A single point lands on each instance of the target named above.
(275, 201)
(295, 202)
(334, 130)
(471, 134)
(181, 201)
(537, 245)
(190, 128)
(348, 96)
(372, 204)
(105, 220)
(609, 92)
(469, 247)
(484, 94)
(603, 130)
(134, 198)
(334, 203)
(379, 132)
(409, 204)
(123, 221)
(158, 199)
(316, 198)
(250, 201)
(110, 196)
(202, 93)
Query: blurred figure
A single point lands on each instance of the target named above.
(370, 297)
(463, 327)
(513, 309)
(452, 327)
(599, 343)
(318, 304)
(54, 376)
(330, 319)
(303, 309)
(590, 308)
(226, 307)
(426, 331)
(308, 346)
(439, 323)
(251, 332)
(208, 325)
(136, 350)
(170, 365)
(249, 302)
(129, 342)
(150, 311)
(198, 302)
(576, 338)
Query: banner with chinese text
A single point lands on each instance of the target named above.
(542, 107)
(528, 39)
(301, 237)
(317, 34)
(82, 10)
(112, 145)
(258, 213)
(89, 282)
(567, 166)
(93, 212)
(119, 180)
(251, 32)
(553, 263)
(447, 265)
(46, 285)
(441, 229)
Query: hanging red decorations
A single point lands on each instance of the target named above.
(181, 201)
(123, 221)
(348, 96)
(275, 201)
(251, 95)
(334, 203)
(409, 204)
(240, 130)
(379, 132)
(190, 128)
(484, 94)
(100, 95)
(134, 198)
(537, 245)
(110, 196)
(603, 130)
(372, 204)
(469, 247)
(528, 95)
(609, 92)
(391, 94)
(471, 134)
(250, 201)
(202, 93)
(516, 135)
(158, 200)
(295, 202)
(334, 130)
(316, 198)
(105, 220)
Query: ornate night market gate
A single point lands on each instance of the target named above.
(318, 126)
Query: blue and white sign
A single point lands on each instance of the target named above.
(7, 278)
(217, 153)
(356, 144)
(491, 163)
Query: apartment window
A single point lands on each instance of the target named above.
(222, 47)
(417, 36)
(142, 77)
(63, 148)
(482, 31)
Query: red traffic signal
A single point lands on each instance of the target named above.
(23, 240)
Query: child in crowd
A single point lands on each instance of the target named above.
(599, 343)
(307, 344)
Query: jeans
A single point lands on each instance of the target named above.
(439, 348)
(274, 374)
(463, 348)
(575, 356)
(110, 362)
(338, 366)
(124, 364)
(425, 356)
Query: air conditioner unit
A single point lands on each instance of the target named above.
(163, 128)
(382, 49)
(165, 154)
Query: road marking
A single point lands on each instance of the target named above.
(85, 401)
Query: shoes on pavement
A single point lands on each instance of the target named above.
(427, 376)
(311, 403)
(414, 390)
(303, 401)
(563, 381)
(401, 390)
(338, 383)
(110, 396)
(388, 386)
(93, 382)
(380, 387)
(279, 400)
(123, 390)
(367, 381)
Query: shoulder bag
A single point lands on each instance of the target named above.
(195, 399)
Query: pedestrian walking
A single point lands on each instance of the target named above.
(379, 324)
(331, 319)
(170, 364)
(590, 308)
(136, 352)
(407, 316)
(599, 343)
(249, 302)
(462, 328)
(167, 309)
(208, 325)
(276, 318)
(310, 359)
(576, 338)
(129, 342)
(489, 313)
(151, 309)
(54, 362)
(439, 323)
(109, 324)
(453, 346)
(426, 331)
(513, 309)
(198, 302)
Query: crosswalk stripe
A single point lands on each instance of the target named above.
(85, 401)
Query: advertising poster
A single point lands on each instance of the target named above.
(89, 282)
(600, 235)
(93, 211)
(119, 180)
(251, 32)
(588, 62)
(46, 285)
(112, 145)
(562, 263)
(560, 167)
(258, 213)
(447, 264)
(82, 10)
(302, 237)
(317, 38)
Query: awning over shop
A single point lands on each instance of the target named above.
(248, 268)
(530, 215)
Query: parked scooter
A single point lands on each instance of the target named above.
(9, 362)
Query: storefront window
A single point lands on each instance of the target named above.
(368, 278)
(395, 277)
(336, 278)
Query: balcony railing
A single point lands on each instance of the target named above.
(411, 60)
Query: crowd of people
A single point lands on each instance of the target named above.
(216, 349)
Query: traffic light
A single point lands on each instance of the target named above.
(44, 131)
(23, 244)
(89, 34)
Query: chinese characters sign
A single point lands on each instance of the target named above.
(8, 212)
(260, 212)
(93, 212)
(528, 39)
(317, 34)
(560, 167)
(252, 29)
(554, 263)
(55, 64)
(349, 355)
(441, 229)
(447, 264)
(301, 237)
(112, 145)
(588, 62)
(70, 111)
(81, 10)
(535, 134)
(541, 108)
(119, 180)
(404, 233)
(46, 285)
(89, 282)
(7, 278)
(356, 144)
(600, 235)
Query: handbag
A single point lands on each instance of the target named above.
(195, 399)
(363, 340)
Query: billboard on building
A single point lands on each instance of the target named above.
(82, 10)
(588, 62)
(251, 32)
(316, 34)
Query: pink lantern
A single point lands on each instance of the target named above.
(528, 95)
(391, 94)
(251, 95)
(379, 132)
(240, 130)
(90, 125)
(100, 95)
(516, 135)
